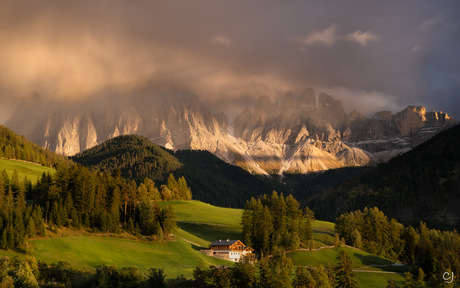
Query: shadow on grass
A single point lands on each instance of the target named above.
(198, 248)
(323, 232)
(211, 232)
(381, 263)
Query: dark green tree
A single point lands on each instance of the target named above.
(156, 278)
(344, 276)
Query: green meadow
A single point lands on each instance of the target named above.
(176, 257)
(371, 270)
(199, 224)
(31, 170)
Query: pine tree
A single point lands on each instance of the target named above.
(19, 229)
(408, 282)
(344, 276)
(303, 278)
(166, 194)
(276, 272)
(421, 279)
(10, 236)
(321, 277)
(30, 230)
(168, 219)
(356, 236)
(159, 231)
(172, 186)
(4, 239)
(55, 216)
(308, 229)
(244, 275)
(156, 278)
(14, 183)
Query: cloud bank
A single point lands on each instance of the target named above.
(387, 55)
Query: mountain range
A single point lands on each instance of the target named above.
(295, 135)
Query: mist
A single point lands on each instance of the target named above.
(372, 56)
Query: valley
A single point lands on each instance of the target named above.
(199, 223)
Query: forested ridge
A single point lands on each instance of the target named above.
(429, 252)
(14, 146)
(135, 156)
(423, 184)
(77, 197)
(219, 183)
(212, 180)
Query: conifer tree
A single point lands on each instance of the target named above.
(244, 275)
(408, 282)
(30, 230)
(4, 239)
(168, 219)
(303, 278)
(344, 276)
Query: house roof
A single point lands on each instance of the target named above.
(223, 242)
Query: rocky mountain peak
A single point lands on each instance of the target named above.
(306, 102)
(386, 115)
(296, 134)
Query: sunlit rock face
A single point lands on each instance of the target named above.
(298, 134)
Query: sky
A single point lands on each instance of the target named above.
(373, 55)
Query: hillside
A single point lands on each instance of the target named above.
(14, 146)
(24, 169)
(135, 156)
(421, 185)
(199, 225)
(211, 179)
(216, 182)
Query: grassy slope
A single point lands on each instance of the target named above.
(199, 223)
(325, 256)
(31, 170)
(361, 261)
(206, 222)
(176, 257)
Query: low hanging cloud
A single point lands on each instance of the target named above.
(222, 40)
(329, 37)
(230, 53)
(363, 38)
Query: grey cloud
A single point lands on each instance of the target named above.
(229, 52)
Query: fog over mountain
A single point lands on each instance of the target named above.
(372, 56)
(231, 76)
(301, 133)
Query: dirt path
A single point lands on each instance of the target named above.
(380, 272)
(322, 247)
(188, 241)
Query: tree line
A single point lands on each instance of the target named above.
(420, 185)
(77, 198)
(429, 251)
(274, 272)
(136, 157)
(276, 222)
(13, 146)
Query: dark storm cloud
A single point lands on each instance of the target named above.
(374, 56)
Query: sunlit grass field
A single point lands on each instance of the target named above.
(381, 268)
(199, 224)
(176, 257)
(31, 170)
